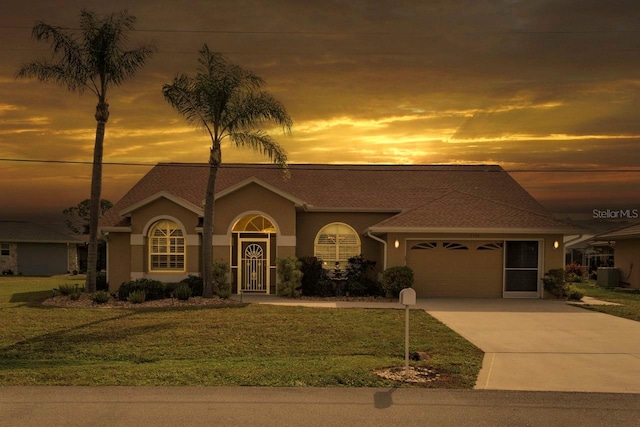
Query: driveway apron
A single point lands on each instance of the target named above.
(545, 345)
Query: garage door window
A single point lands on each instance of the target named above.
(424, 246)
(455, 246)
(521, 266)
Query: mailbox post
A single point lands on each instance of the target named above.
(407, 298)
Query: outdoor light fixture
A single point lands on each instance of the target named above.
(556, 244)
(396, 244)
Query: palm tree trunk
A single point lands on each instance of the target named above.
(102, 115)
(207, 223)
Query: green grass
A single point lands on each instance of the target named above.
(249, 345)
(629, 300)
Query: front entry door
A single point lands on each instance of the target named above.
(254, 265)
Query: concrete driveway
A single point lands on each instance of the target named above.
(547, 345)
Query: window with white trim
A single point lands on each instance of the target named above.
(5, 249)
(335, 244)
(166, 247)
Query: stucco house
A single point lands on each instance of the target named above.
(35, 250)
(626, 243)
(464, 230)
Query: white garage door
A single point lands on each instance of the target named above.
(457, 268)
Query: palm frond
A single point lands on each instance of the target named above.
(185, 97)
(261, 142)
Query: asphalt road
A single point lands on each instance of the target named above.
(254, 406)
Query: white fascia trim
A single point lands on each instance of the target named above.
(254, 180)
(163, 194)
(469, 230)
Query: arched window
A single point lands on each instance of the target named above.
(254, 223)
(166, 247)
(335, 244)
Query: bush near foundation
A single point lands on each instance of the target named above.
(395, 279)
(358, 278)
(290, 277)
(315, 280)
(153, 289)
(555, 282)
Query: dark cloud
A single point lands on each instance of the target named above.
(526, 84)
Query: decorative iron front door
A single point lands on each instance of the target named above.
(255, 265)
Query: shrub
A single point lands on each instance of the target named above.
(75, 295)
(219, 272)
(315, 280)
(195, 283)
(183, 292)
(101, 281)
(153, 289)
(358, 277)
(137, 297)
(395, 279)
(576, 269)
(555, 282)
(68, 289)
(100, 297)
(290, 277)
(574, 294)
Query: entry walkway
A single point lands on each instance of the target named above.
(531, 344)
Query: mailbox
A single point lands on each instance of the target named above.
(408, 296)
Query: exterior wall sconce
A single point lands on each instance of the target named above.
(556, 244)
(396, 244)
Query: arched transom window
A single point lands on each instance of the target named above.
(256, 223)
(335, 244)
(166, 247)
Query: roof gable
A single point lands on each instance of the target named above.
(162, 194)
(253, 180)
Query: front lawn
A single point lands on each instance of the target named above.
(629, 300)
(247, 345)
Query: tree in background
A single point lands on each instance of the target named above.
(77, 217)
(225, 101)
(94, 62)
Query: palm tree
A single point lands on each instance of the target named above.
(226, 101)
(94, 62)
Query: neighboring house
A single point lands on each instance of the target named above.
(627, 253)
(464, 230)
(35, 250)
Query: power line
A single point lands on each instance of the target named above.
(344, 33)
(305, 166)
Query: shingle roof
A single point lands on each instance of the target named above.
(628, 232)
(482, 196)
(22, 231)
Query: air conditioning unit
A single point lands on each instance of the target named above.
(608, 277)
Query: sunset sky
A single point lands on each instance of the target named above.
(548, 89)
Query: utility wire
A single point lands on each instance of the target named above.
(348, 167)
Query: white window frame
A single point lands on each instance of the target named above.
(338, 257)
(174, 246)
